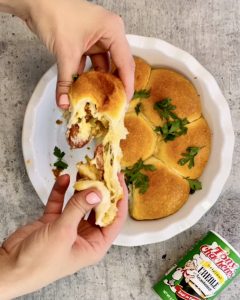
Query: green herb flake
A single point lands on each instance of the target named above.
(75, 77)
(138, 108)
(135, 177)
(165, 109)
(194, 184)
(142, 94)
(173, 129)
(59, 164)
(58, 153)
(189, 157)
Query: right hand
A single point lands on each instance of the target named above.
(57, 244)
(72, 29)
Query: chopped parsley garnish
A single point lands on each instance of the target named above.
(143, 94)
(165, 109)
(174, 125)
(189, 156)
(75, 77)
(173, 129)
(59, 164)
(138, 108)
(194, 184)
(135, 177)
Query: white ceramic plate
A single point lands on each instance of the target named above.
(41, 134)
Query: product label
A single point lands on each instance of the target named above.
(203, 273)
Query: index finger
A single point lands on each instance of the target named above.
(123, 59)
(56, 198)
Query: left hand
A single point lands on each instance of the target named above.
(57, 244)
(74, 29)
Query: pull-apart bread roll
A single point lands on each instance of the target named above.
(166, 194)
(141, 78)
(97, 105)
(140, 142)
(142, 73)
(168, 144)
(198, 135)
(165, 83)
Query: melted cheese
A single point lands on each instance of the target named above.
(78, 115)
(106, 211)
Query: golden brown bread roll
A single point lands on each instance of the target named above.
(166, 194)
(168, 189)
(198, 135)
(141, 77)
(165, 83)
(142, 73)
(140, 141)
(97, 106)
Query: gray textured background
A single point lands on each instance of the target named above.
(209, 30)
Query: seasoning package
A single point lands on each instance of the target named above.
(203, 273)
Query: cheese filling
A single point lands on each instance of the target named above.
(109, 133)
(84, 124)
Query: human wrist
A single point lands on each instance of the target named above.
(10, 277)
(5, 275)
(16, 7)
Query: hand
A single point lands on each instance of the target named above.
(58, 244)
(72, 29)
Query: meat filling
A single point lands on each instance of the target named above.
(98, 154)
(92, 169)
(73, 139)
(85, 129)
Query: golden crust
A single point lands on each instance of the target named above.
(165, 83)
(198, 135)
(142, 73)
(103, 89)
(140, 142)
(166, 194)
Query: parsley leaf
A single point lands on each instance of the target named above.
(138, 179)
(195, 185)
(174, 125)
(141, 94)
(58, 153)
(59, 164)
(75, 77)
(189, 156)
(138, 108)
(173, 129)
(165, 109)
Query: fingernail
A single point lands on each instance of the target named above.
(92, 198)
(64, 101)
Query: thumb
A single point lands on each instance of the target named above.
(78, 206)
(67, 68)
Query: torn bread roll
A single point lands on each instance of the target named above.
(98, 105)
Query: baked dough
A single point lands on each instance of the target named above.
(165, 83)
(141, 140)
(198, 135)
(166, 194)
(97, 106)
(142, 73)
(168, 189)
